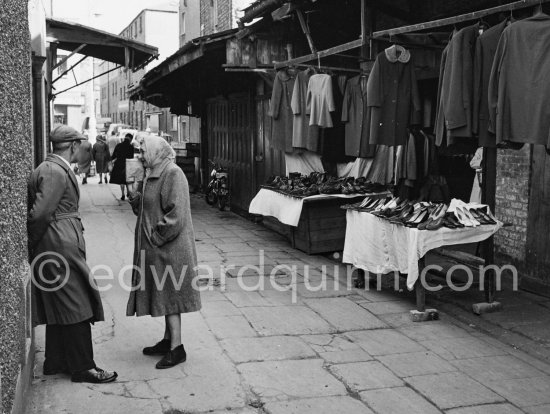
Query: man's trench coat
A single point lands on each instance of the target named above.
(56, 232)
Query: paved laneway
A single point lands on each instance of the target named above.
(330, 351)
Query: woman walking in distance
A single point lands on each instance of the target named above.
(165, 247)
(122, 152)
(100, 153)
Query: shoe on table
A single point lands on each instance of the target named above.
(172, 358)
(160, 348)
(94, 376)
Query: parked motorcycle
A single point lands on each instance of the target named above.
(217, 191)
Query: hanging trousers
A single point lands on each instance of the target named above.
(69, 347)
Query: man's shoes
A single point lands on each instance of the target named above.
(160, 348)
(94, 376)
(172, 358)
(101, 182)
(123, 198)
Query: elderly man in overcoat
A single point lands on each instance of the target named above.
(65, 296)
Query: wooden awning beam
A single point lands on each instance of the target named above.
(458, 19)
(69, 69)
(323, 53)
(78, 49)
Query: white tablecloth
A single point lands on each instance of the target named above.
(285, 208)
(378, 246)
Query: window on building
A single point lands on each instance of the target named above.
(174, 123)
(140, 24)
(135, 28)
(214, 10)
(182, 23)
(63, 67)
(185, 3)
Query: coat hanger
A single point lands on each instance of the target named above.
(483, 24)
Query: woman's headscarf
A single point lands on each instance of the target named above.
(100, 138)
(157, 150)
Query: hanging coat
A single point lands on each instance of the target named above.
(392, 94)
(53, 225)
(356, 116)
(303, 135)
(457, 84)
(519, 86)
(100, 153)
(281, 111)
(164, 237)
(85, 157)
(486, 47)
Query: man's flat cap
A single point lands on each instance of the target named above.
(64, 133)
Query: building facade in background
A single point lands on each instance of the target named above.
(157, 27)
(220, 15)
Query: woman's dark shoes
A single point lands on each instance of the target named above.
(160, 348)
(94, 376)
(123, 198)
(172, 358)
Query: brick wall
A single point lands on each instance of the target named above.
(224, 10)
(512, 202)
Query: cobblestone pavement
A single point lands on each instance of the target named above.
(287, 348)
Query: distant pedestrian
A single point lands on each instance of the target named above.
(84, 159)
(112, 142)
(100, 153)
(64, 296)
(165, 243)
(122, 152)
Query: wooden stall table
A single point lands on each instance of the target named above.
(314, 224)
(375, 245)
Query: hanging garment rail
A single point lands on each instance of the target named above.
(458, 19)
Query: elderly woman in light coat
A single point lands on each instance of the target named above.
(165, 247)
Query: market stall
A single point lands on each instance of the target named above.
(381, 240)
(312, 223)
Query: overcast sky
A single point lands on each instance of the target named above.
(109, 15)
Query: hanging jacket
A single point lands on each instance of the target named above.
(281, 132)
(486, 47)
(519, 86)
(356, 116)
(303, 135)
(320, 100)
(457, 84)
(392, 95)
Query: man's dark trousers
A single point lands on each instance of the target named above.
(69, 347)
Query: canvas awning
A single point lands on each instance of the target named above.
(89, 41)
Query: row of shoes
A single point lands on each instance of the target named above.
(424, 215)
(298, 185)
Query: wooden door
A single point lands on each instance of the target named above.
(538, 229)
(230, 143)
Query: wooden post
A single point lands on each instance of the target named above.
(489, 181)
(305, 29)
(421, 314)
(419, 289)
(488, 196)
